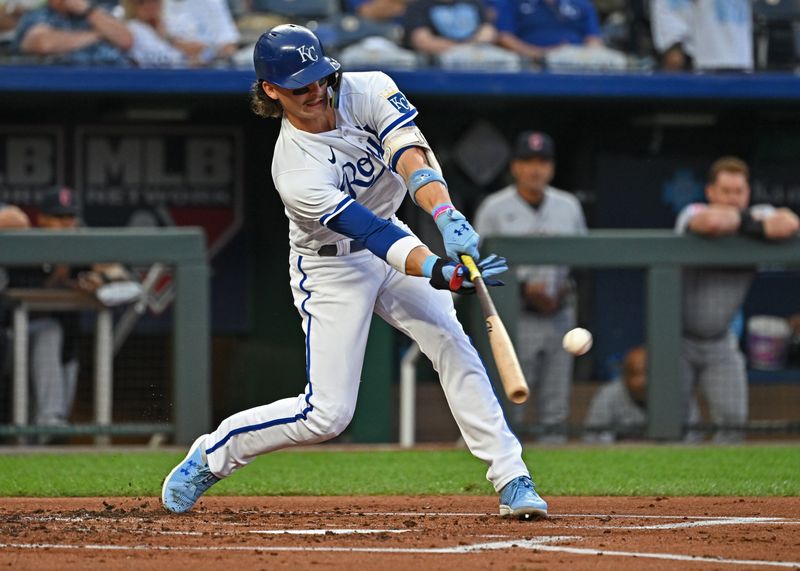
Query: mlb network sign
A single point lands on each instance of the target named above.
(31, 162)
(162, 176)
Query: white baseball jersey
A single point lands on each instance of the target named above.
(318, 174)
(321, 178)
(506, 213)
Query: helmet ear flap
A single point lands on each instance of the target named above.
(336, 76)
(335, 82)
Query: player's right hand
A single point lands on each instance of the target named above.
(455, 276)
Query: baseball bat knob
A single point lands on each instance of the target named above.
(519, 396)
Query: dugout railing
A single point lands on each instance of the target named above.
(183, 250)
(662, 255)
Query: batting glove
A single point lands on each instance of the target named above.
(459, 236)
(455, 277)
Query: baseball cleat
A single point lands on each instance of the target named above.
(188, 480)
(519, 499)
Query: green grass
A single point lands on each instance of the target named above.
(623, 471)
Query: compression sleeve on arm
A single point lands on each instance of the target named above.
(384, 239)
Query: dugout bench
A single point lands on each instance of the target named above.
(183, 249)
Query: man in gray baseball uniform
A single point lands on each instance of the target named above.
(528, 207)
(619, 408)
(710, 354)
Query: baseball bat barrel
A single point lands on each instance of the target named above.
(505, 357)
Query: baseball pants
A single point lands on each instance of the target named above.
(717, 368)
(547, 367)
(336, 297)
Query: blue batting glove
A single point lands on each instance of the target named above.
(492, 265)
(459, 236)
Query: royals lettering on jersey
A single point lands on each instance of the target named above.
(318, 175)
(360, 175)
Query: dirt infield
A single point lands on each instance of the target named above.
(393, 533)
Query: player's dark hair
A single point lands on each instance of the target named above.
(262, 104)
(727, 164)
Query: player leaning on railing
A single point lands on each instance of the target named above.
(347, 153)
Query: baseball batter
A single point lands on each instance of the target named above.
(710, 357)
(347, 153)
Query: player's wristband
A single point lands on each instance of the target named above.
(427, 265)
(440, 209)
(751, 226)
(435, 267)
(420, 178)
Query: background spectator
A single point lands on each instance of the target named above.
(10, 13)
(620, 404)
(619, 408)
(527, 207)
(703, 35)
(533, 27)
(711, 357)
(11, 218)
(74, 32)
(204, 30)
(53, 337)
(458, 34)
(379, 10)
(671, 25)
(434, 26)
(151, 47)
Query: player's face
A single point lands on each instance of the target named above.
(635, 374)
(57, 222)
(532, 175)
(305, 107)
(730, 189)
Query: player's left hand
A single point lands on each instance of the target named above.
(459, 235)
(455, 277)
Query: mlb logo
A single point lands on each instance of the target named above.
(400, 102)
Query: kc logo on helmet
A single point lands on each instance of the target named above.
(307, 53)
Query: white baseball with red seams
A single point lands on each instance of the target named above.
(577, 341)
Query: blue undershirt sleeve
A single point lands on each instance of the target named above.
(361, 224)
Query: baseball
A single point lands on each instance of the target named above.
(577, 341)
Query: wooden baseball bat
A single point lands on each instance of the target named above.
(505, 357)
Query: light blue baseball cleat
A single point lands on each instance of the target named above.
(519, 499)
(188, 480)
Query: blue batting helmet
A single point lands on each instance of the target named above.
(291, 56)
